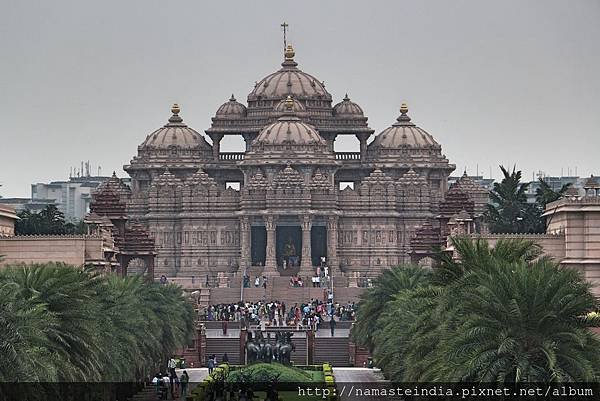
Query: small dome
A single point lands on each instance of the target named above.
(289, 80)
(403, 133)
(347, 108)
(175, 134)
(231, 109)
(289, 130)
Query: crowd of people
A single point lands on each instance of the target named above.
(275, 313)
(170, 384)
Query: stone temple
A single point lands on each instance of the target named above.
(289, 202)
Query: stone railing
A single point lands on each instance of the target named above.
(347, 155)
(231, 156)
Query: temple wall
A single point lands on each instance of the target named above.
(74, 250)
(369, 244)
(197, 246)
(552, 244)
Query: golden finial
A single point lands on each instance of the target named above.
(175, 108)
(289, 52)
(289, 103)
(403, 108)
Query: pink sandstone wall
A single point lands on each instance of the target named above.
(71, 249)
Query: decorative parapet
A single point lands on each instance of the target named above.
(518, 236)
(579, 201)
(53, 236)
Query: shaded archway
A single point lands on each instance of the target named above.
(288, 245)
(258, 245)
(318, 241)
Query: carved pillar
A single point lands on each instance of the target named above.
(271, 261)
(248, 138)
(330, 138)
(306, 263)
(362, 138)
(332, 243)
(245, 235)
(216, 139)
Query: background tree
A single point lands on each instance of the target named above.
(506, 212)
(49, 221)
(544, 195)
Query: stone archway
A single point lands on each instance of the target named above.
(136, 261)
(136, 266)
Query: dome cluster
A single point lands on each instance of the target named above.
(291, 111)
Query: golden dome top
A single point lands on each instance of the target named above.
(403, 108)
(175, 108)
(289, 52)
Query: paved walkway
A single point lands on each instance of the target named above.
(196, 374)
(349, 379)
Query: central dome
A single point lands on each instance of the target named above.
(289, 130)
(289, 81)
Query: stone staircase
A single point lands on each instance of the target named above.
(333, 350)
(221, 345)
(278, 288)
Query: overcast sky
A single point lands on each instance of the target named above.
(494, 82)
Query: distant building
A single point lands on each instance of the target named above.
(20, 204)
(71, 197)
(556, 183)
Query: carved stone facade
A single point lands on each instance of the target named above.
(289, 211)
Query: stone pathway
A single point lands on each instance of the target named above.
(348, 380)
(196, 374)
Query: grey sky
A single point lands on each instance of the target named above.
(494, 82)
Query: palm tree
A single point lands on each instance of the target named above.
(374, 301)
(62, 323)
(509, 201)
(526, 322)
(501, 314)
(545, 194)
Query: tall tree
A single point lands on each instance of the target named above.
(509, 202)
